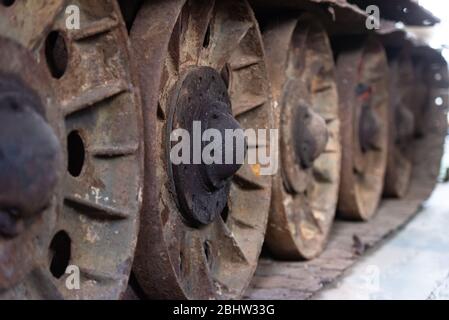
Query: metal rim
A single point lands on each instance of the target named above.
(403, 126)
(173, 41)
(364, 104)
(305, 194)
(94, 222)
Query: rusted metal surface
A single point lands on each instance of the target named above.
(171, 40)
(364, 106)
(349, 17)
(72, 139)
(305, 191)
(30, 157)
(22, 252)
(402, 124)
(349, 240)
(82, 78)
(338, 16)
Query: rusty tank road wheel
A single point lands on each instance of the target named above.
(304, 199)
(74, 85)
(364, 104)
(402, 125)
(202, 225)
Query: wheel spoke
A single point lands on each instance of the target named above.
(333, 145)
(173, 61)
(194, 265)
(113, 151)
(223, 253)
(98, 275)
(303, 221)
(229, 26)
(223, 240)
(195, 30)
(93, 96)
(241, 59)
(31, 21)
(94, 202)
(324, 170)
(43, 285)
(94, 28)
(248, 177)
(245, 103)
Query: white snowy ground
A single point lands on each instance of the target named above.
(413, 264)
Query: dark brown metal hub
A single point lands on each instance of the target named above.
(405, 125)
(200, 102)
(30, 157)
(370, 124)
(311, 135)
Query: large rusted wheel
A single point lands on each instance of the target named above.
(202, 225)
(305, 191)
(402, 125)
(364, 102)
(70, 152)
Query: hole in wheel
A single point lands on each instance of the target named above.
(206, 40)
(8, 3)
(181, 263)
(207, 252)
(225, 214)
(56, 54)
(76, 153)
(129, 10)
(60, 248)
(226, 75)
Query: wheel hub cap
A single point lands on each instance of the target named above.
(30, 156)
(200, 102)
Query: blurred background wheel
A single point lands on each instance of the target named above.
(305, 190)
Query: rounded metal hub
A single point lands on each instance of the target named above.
(305, 191)
(364, 106)
(76, 105)
(202, 184)
(205, 222)
(370, 125)
(28, 195)
(30, 157)
(311, 136)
